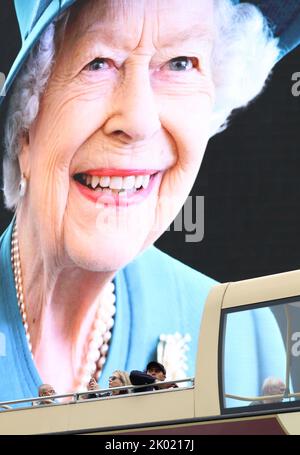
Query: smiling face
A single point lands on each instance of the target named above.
(122, 128)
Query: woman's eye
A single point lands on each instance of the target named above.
(98, 64)
(181, 64)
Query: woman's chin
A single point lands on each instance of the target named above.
(103, 256)
(108, 242)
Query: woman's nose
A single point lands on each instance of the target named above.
(134, 116)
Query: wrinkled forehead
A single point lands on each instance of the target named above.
(162, 19)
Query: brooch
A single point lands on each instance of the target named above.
(171, 352)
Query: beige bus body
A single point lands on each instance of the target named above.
(193, 409)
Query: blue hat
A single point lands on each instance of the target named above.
(33, 16)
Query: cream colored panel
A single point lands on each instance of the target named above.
(290, 422)
(206, 379)
(35, 420)
(156, 407)
(262, 289)
(127, 410)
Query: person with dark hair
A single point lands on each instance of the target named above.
(155, 372)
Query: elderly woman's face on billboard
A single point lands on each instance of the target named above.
(122, 127)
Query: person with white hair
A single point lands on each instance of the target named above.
(109, 106)
(271, 386)
(45, 390)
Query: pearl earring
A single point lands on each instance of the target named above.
(22, 186)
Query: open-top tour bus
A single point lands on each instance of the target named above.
(208, 403)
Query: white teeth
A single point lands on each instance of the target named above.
(122, 193)
(138, 181)
(105, 181)
(95, 181)
(115, 183)
(128, 182)
(146, 181)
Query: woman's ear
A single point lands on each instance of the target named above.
(24, 155)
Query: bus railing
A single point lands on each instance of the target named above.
(78, 397)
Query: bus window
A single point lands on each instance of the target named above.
(259, 356)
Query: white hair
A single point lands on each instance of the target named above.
(244, 53)
(273, 386)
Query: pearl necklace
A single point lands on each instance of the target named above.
(97, 347)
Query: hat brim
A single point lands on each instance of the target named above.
(53, 10)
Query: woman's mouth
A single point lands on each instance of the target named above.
(122, 190)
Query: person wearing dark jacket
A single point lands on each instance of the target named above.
(155, 372)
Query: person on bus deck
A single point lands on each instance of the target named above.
(117, 379)
(92, 385)
(271, 386)
(45, 390)
(155, 372)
